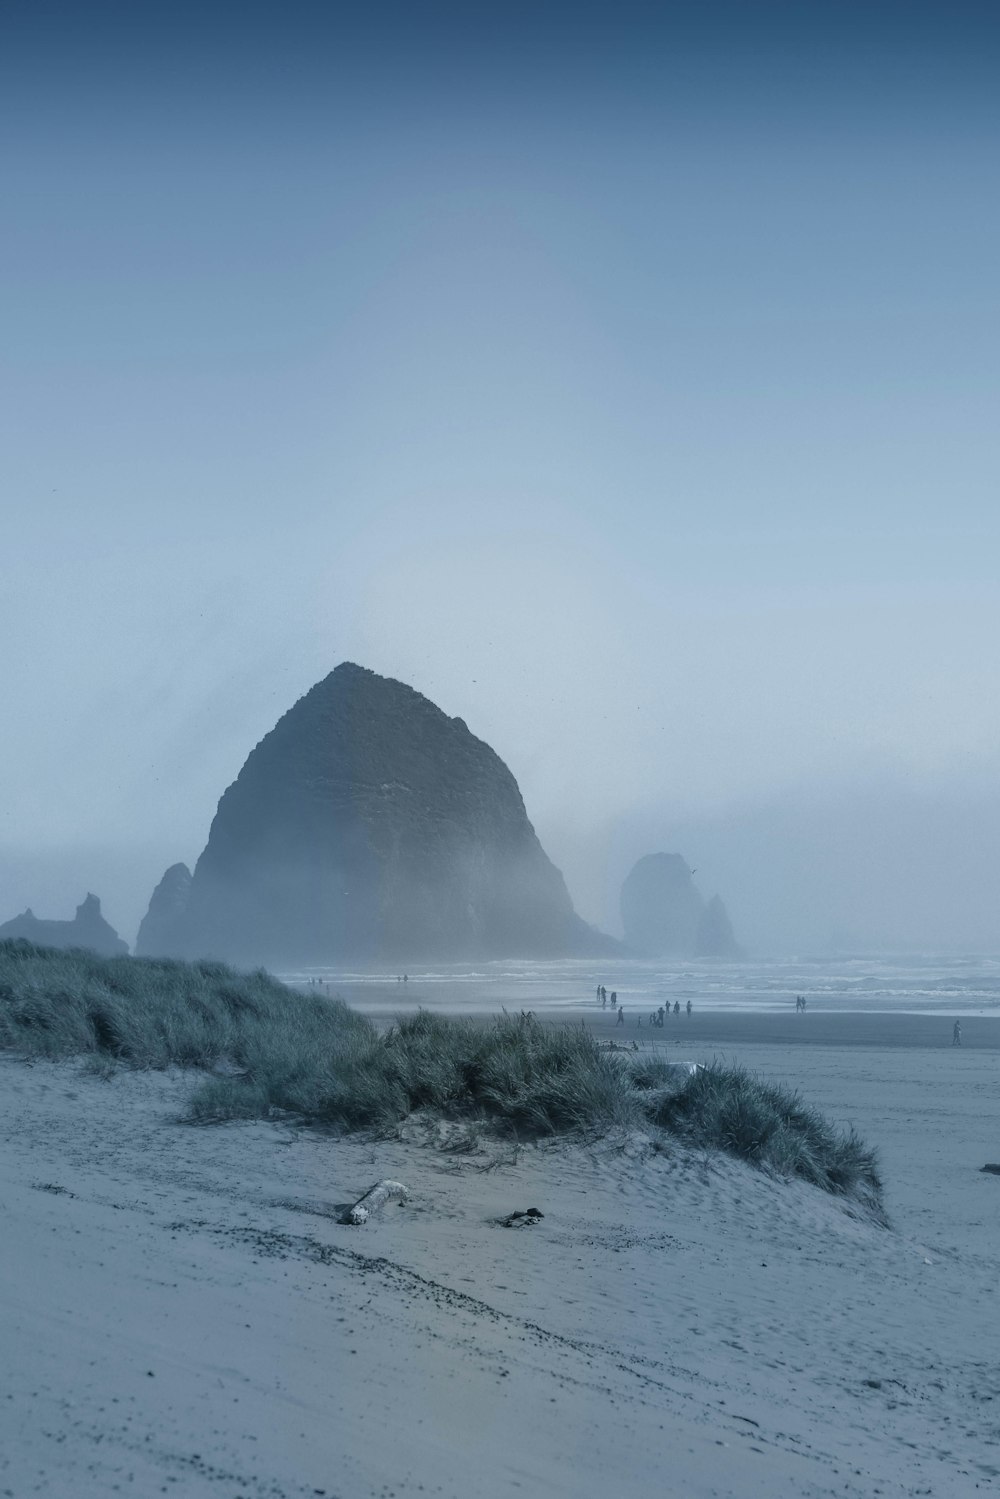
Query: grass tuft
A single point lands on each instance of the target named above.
(727, 1108)
(284, 1051)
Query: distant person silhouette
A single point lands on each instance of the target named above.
(660, 1019)
(677, 1007)
(956, 1033)
(689, 1007)
(406, 978)
(598, 994)
(621, 1012)
(614, 998)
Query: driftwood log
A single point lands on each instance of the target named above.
(527, 1219)
(376, 1197)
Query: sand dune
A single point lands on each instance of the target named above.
(182, 1313)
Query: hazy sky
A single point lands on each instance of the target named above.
(625, 378)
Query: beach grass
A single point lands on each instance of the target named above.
(282, 1051)
(728, 1108)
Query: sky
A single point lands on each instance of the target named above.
(624, 378)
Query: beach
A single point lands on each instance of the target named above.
(183, 1312)
(947, 987)
(724, 1030)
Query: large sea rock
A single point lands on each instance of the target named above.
(664, 915)
(368, 826)
(167, 907)
(87, 929)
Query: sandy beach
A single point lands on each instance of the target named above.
(720, 1030)
(181, 1311)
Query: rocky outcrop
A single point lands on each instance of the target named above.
(715, 937)
(370, 826)
(87, 929)
(167, 906)
(664, 914)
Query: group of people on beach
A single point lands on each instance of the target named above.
(656, 1016)
(800, 1004)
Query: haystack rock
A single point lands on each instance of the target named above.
(87, 929)
(664, 915)
(370, 826)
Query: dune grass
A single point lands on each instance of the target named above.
(314, 1057)
(727, 1108)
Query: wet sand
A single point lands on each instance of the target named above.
(728, 1028)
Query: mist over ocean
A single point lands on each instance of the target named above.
(951, 986)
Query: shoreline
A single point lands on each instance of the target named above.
(854, 1029)
(883, 1029)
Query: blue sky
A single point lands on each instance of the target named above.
(624, 378)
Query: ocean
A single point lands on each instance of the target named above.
(952, 987)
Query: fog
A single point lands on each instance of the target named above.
(633, 400)
(887, 867)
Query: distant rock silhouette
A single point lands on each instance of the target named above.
(368, 825)
(715, 937)
(87, 929)
(664, 915)
(167, 906)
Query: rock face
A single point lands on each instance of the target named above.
(87, 929)
(368, 826)
(664, 915)
(166, 908)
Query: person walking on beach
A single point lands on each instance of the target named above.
(660, 1020)
(956, 1033)
(689, 1007)
(614, 998)
(677, 1007)
(621, 1012)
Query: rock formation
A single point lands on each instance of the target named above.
(715, 937)
(166, 908)
(664, 915)
(87, 929)
(369, 826)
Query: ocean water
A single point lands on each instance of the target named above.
(924, 985)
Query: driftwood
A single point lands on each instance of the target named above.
(526, 1219)
(376, 1197)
